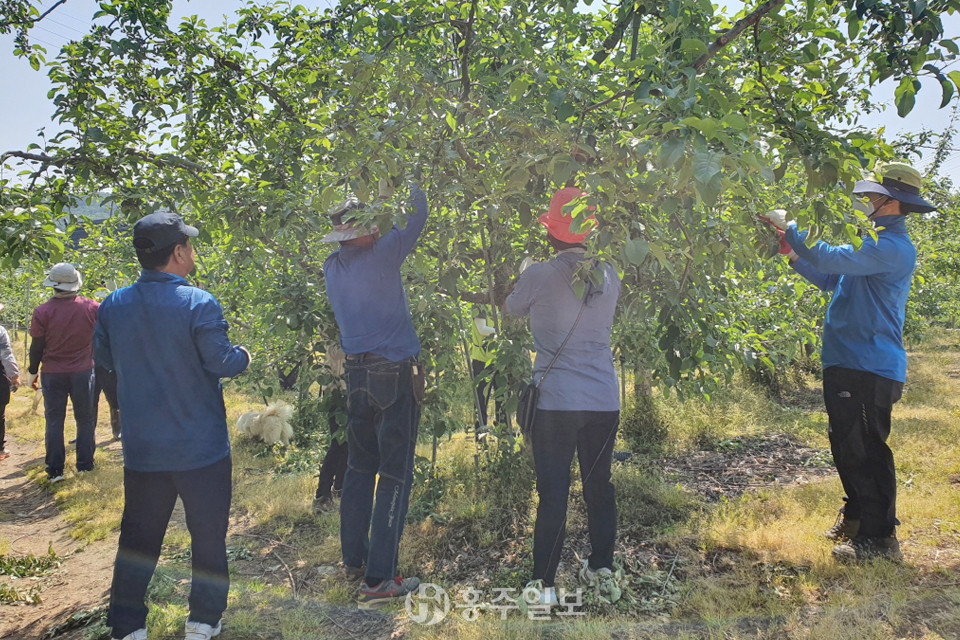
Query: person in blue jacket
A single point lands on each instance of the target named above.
(864, 362)
(167, 342)
(384, 392)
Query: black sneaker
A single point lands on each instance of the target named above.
(386, 592)
(353, 573)
(323, 504)
(861, 548)
(844, 528)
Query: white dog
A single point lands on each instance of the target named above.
(271, 426)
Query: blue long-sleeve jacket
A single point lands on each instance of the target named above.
(863, 328)
(366, 291)
(168, 343)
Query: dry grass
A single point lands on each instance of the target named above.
(754, 567)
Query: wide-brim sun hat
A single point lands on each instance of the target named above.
(558, 223)
(347, 230)
(63, 276)
(897, 180)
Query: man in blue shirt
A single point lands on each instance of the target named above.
(384, 392)
(167, 342)
(864, 362)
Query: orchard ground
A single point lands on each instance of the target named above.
(722, 508)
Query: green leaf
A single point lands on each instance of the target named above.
(451, 121)
(947, 88)
(565, 111)
(955, 78)
(905, 96)
(950, 45)
(734, 121)
(671, 152)
(517, 88)
(636, 250)
(706, 165)
(693, 45)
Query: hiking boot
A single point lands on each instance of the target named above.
(139, 634)
(200, 631)
(54, 478)
(844, 528)
(863, 548)
(386, 592)
(353, 573)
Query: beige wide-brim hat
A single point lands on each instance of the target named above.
(347, 230)
(63, 276)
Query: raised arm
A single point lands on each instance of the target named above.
(872, 257)
(398, 243)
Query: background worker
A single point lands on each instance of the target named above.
(62, 332)
(10, 382)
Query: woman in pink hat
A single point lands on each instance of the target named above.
(579, 406)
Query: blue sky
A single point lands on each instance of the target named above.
(25, 107)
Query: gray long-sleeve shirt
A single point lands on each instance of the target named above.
(583, 378)
(10, 367)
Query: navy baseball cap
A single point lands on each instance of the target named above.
(160, 230)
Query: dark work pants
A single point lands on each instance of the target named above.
(556, 436)
(859, 405)
(57, 387)
(4, 401)
(149, 498)
(105, 381)
(483, 389)
(382, 429)
(335, 461)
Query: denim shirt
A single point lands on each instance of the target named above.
(583, 377)
(863, 328)
(366, 291)
(168, 343)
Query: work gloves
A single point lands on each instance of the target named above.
(32, 381)
(778, 218)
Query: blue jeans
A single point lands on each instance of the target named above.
(383, 418)
(57, 387)
(148, 501)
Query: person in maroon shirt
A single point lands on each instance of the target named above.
(62, 332)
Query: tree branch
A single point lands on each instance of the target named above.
(739, 27)
(715, 46)
(222, 62)
(103, 168)
(616, 34)
(27, 22)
